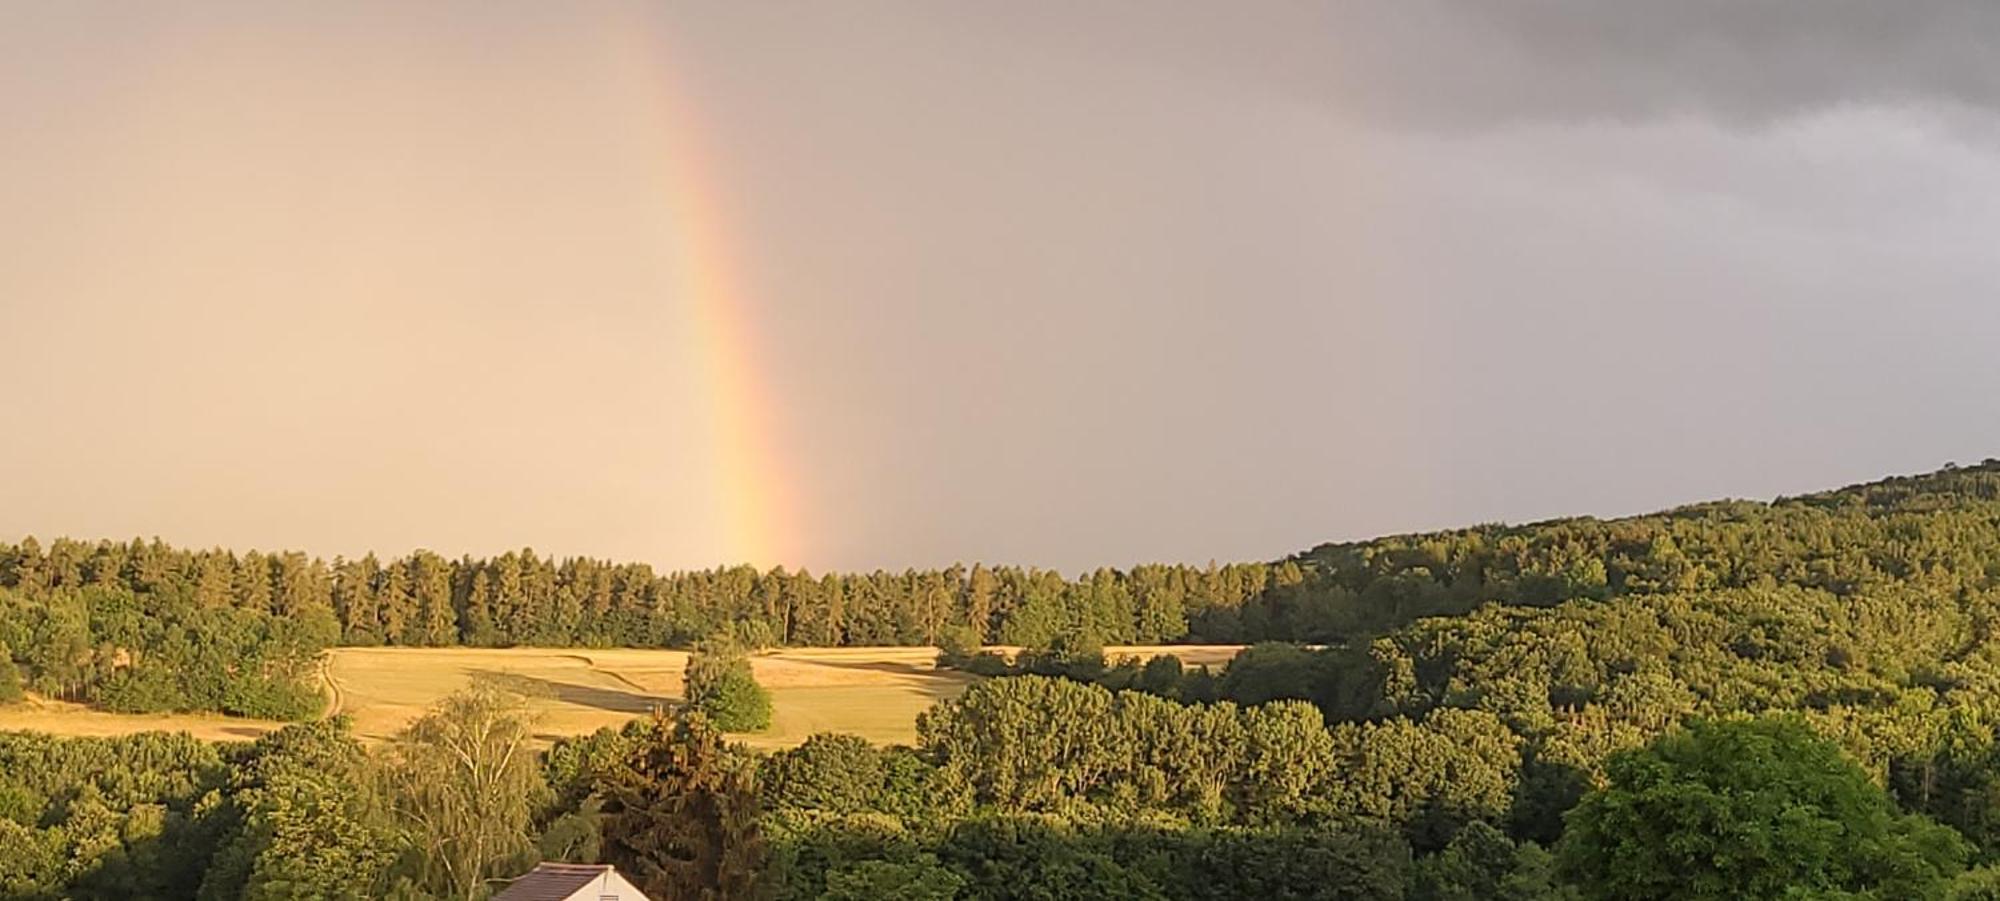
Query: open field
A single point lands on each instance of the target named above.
(63, 718)
(872, 692)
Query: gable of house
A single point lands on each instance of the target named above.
(571, 882)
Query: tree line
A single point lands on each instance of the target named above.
(142, 626)
(1933, 534)
(523, 598)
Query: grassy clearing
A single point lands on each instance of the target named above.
(63, 718)
(875, 693)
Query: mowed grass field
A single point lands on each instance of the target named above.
(872, 692)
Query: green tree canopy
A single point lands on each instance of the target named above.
(722, 686)
(1758, 808)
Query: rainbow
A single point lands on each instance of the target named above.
(752, 482)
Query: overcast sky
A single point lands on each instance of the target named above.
(1050, 283)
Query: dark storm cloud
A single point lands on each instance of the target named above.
(1444, 64)
(1741, 62)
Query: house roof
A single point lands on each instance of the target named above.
(553, 881)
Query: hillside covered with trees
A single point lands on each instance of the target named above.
(1559, 710)
(142, 625)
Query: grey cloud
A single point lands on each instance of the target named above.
(1453, 64)
(1742, 62)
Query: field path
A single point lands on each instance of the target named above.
(335, 700)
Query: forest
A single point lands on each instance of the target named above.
(140, 625)
(1736, 699)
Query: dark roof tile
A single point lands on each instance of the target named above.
(552, 882)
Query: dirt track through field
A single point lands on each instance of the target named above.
(335, 701)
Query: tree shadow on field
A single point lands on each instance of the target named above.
(581, 695)
(890, 668)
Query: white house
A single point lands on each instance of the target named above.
(571, 882)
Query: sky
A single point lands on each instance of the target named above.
(890, 284)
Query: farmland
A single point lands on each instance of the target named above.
(872, 692)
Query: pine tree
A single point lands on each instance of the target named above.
(681, 814)
(215, 575)
(30, 571)
(981, 592)
(302, 585)
(476, 621)
(251, 589)
(435, 623)
(397, 609)
(354, 602)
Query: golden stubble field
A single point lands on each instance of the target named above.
(872, 692)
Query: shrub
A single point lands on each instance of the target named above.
(1079, 658)
(721, 684)
(988, 663)
(1161, 676)
(1199, 686)
(271, 698)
